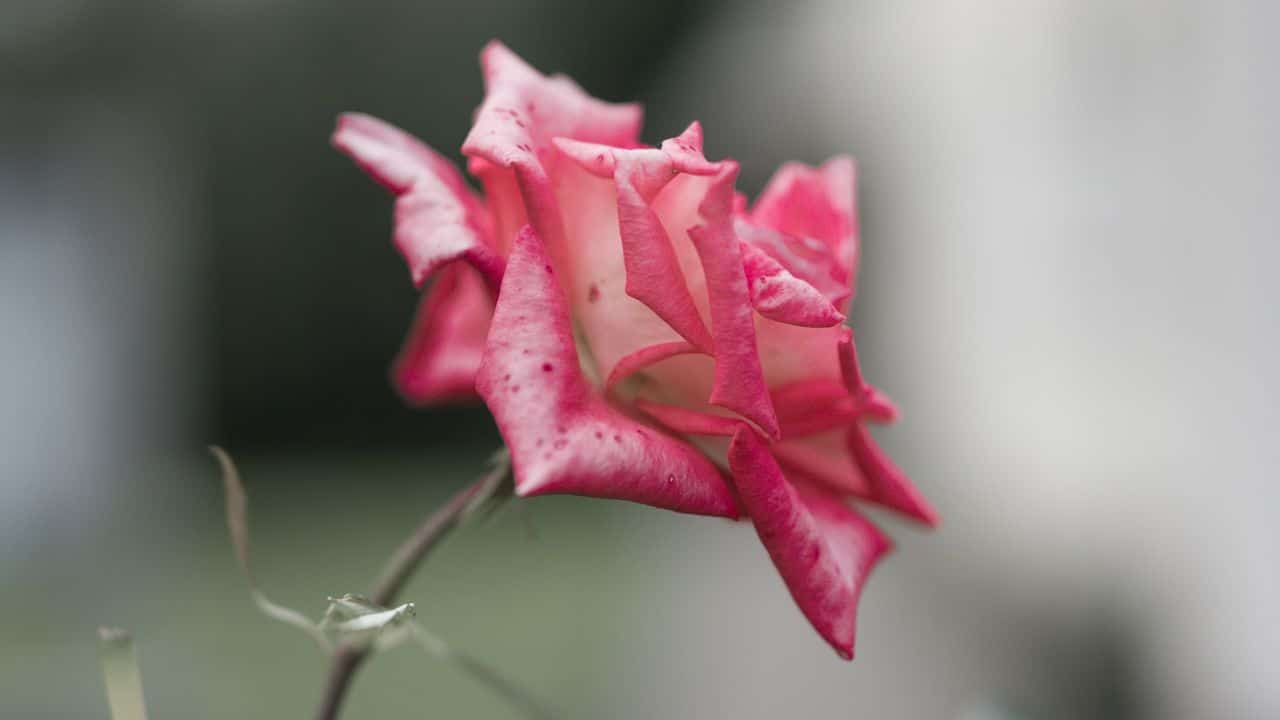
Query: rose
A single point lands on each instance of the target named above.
(638, 332)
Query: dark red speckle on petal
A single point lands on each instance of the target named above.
(593, 293)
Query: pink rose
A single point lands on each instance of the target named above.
(639, 332)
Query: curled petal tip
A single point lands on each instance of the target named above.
(594, 158)
(685, 151)
(692, 135)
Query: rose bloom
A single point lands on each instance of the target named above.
(639, 331)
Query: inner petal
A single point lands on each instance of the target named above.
(613, 324)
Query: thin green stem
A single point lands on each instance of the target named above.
(400, 567)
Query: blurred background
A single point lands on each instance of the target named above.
(1069, 230)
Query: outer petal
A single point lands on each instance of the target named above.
(521, 113)
(848, 461)
(817, 404)
(889, 485)
(439, 360)
(563, 437)
(865, 398)
(823, 459)
(837, 412)
(739, 381)
(816, 203)
(437, 218)
(821, 547)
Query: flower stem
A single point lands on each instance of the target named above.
(401, 566)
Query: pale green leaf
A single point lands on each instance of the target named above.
(353, 620)
(120, 670)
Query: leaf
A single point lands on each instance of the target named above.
(120, 670)
(238, 526)
(355, 621)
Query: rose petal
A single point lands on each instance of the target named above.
(503, 198)
(521, 113)
(685, 151)
(644, 357)
(821, 547)
(823, 459)
(790, 353)
(437, 218)
(563, 437)
(818, 203)
(866, 399)
(688, 422)
(641, 258)
(847, 461)
(839, 413)
(779, 295)
(739, 380)
(889, 486)
(439, 359)
(654, 276)
(613, 324)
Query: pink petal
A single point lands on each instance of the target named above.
(685, 151)
(688, 422)
(644, 357)
(810, 261)
(889, 486)
(563, 437)
(866, 399)
(521, 113)
(798, 399)
(654, 276)
(503, 198)
(817, 203)
(808, 406)
(439, 359)
(791, 353)
(850, 370)
(635, 278)
(878, 408)
(739, 380)
(437, 218)
(839, 413)
(821, 547)
(613, 324)
(847, 461)
(779, 295)
(823, 459)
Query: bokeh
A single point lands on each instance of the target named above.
(1069, 219)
